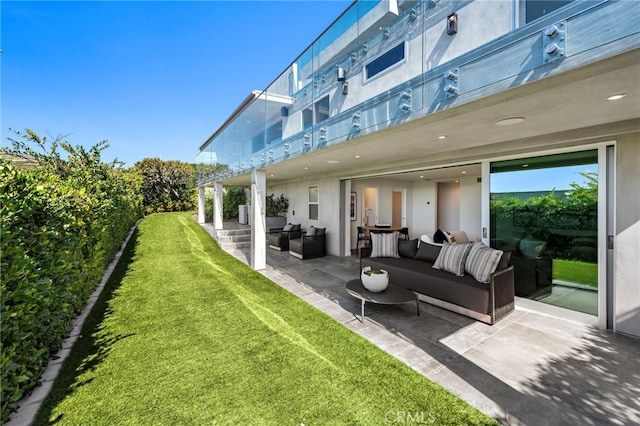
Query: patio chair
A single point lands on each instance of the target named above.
(279, 237)
(310, 244)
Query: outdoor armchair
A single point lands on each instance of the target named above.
(312, 243)
(279, 237)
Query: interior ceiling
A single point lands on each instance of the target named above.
(567, 108)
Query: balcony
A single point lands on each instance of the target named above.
(430, 77)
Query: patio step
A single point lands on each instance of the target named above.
(233, 238)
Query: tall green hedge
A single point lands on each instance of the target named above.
(61, 224)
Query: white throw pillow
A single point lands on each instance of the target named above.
(482, 261)
(384, 244)
(452, 258)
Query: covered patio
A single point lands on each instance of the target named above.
(530, 368)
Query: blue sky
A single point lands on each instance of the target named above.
(153, 78)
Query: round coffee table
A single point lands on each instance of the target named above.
(393, 295)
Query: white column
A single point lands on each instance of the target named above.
(258, 220)
(218, 193)
(201, 216)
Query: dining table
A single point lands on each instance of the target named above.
(373, 228)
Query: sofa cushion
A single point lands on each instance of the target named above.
(439, 237)
(384, 244)
(482, 261)
(428, 252)
(408, 248)
(452, 258)
(418, 276)
(311, 231)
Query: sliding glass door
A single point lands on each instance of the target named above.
(545, 211)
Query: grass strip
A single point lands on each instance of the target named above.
(185, 334)
(576, 271)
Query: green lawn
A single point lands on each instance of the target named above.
(185, 334)
(576, 272)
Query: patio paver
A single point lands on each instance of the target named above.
(528, 369)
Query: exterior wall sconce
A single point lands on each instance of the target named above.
(345, 88)
(341, 74)
(413, 14)
(365, 48)
(406, 107)
(387, 32)
(452, 24)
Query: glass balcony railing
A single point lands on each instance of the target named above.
(382, 63)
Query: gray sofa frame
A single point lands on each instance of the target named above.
(464, 295)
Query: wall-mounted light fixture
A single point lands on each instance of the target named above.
(341, 74)
(452, 24)
(345, 88)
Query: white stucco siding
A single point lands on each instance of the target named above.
(627, 238)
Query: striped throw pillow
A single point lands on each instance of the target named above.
(384, 244)
(452, 258)
(482, 261)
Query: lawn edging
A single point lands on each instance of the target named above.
(29, 405)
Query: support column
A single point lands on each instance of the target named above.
(217, 205)
(258, 220)
(201, 216)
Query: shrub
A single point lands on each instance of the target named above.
(61, 224)
(167, 186)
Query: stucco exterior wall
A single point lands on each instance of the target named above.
(627, 238)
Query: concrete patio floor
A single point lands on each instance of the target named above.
(528, 369)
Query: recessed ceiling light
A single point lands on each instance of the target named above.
(332, 161)
(464, 172)
(525, 166)
(357, 156)
(421, 177)
(306, 168)
(272, 175)
(509, 121)
(442, 137)
(616, 97)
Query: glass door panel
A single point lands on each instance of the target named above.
(545, 211)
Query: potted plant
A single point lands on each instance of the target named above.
(374, 280)
(275, 210)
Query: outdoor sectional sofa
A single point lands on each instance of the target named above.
(413, 269)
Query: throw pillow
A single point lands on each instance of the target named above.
(296, 227)
(288, 227)
(428, 252)
(384, 244)
(482, 261)
(452, 258)
(427, 238)
(439, 237)
(408, 248)
(311, 231)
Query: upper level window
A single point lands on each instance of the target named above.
(384, 61)
(535, 9)
(322, 109)
(307, 118)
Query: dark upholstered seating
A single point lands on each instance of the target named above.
(312, 243)
(279, 237)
